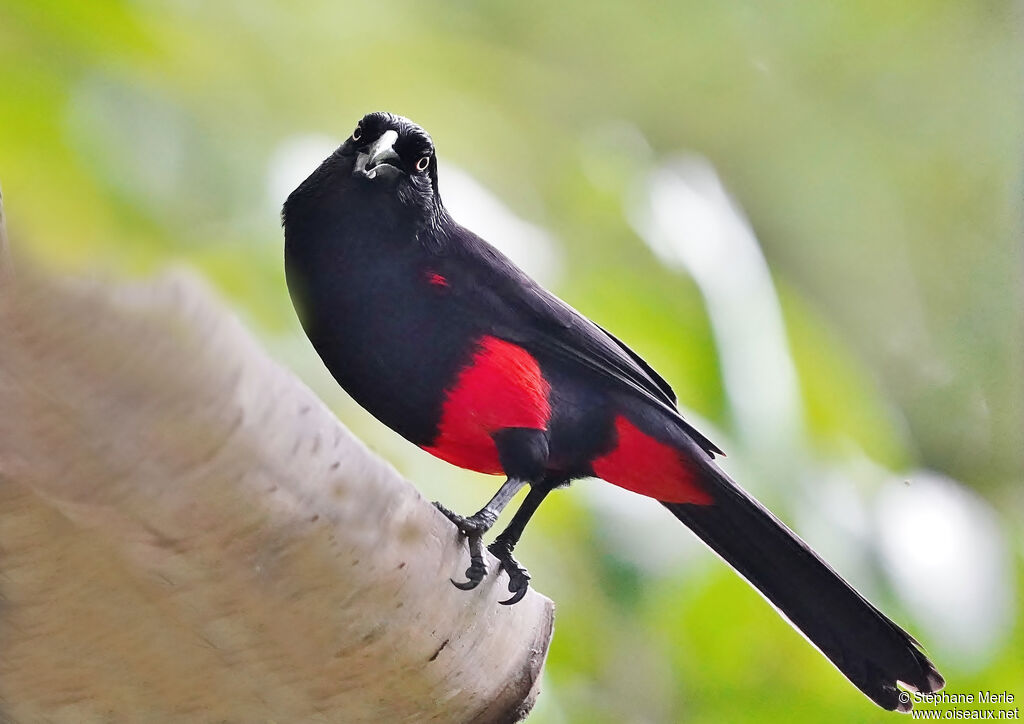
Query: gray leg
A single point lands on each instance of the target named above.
(476, 525)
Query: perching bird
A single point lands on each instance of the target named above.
(447, 342)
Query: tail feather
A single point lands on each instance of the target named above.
(865, 645)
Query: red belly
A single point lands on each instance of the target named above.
(502, 387)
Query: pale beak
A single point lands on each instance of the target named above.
(380, 160)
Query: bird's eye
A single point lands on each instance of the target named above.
(358, 133)
(422, 164)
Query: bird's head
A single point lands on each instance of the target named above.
(390, 151)
(386, 159)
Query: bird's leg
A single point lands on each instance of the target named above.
(505, 543)
(476, 525)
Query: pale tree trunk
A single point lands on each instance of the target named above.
(188, 534)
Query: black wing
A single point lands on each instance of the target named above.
(529, 314)
(642, 363)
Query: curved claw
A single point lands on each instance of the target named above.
(517, 597)
(518, 577)
(467, 585)
(476, 572)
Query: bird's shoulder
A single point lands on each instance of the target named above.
(532, 315)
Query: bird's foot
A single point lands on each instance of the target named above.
(473, 528)
(518, 577)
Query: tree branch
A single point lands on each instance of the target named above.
(187, 533)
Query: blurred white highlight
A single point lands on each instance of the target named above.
(689, 220)
(949, 561)
(292, 161)
(531, 247)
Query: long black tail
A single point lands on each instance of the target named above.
(868, 648)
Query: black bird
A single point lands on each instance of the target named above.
(447, 342)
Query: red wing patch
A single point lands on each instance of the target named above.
(501, 387)
(649, 467)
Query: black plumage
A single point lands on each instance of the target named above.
(446, 341)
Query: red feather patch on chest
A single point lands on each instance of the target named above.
(644, 465)
(436, 279)
(501, 387)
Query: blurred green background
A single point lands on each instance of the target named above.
(875, 148)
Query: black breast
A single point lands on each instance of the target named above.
(380, 320)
